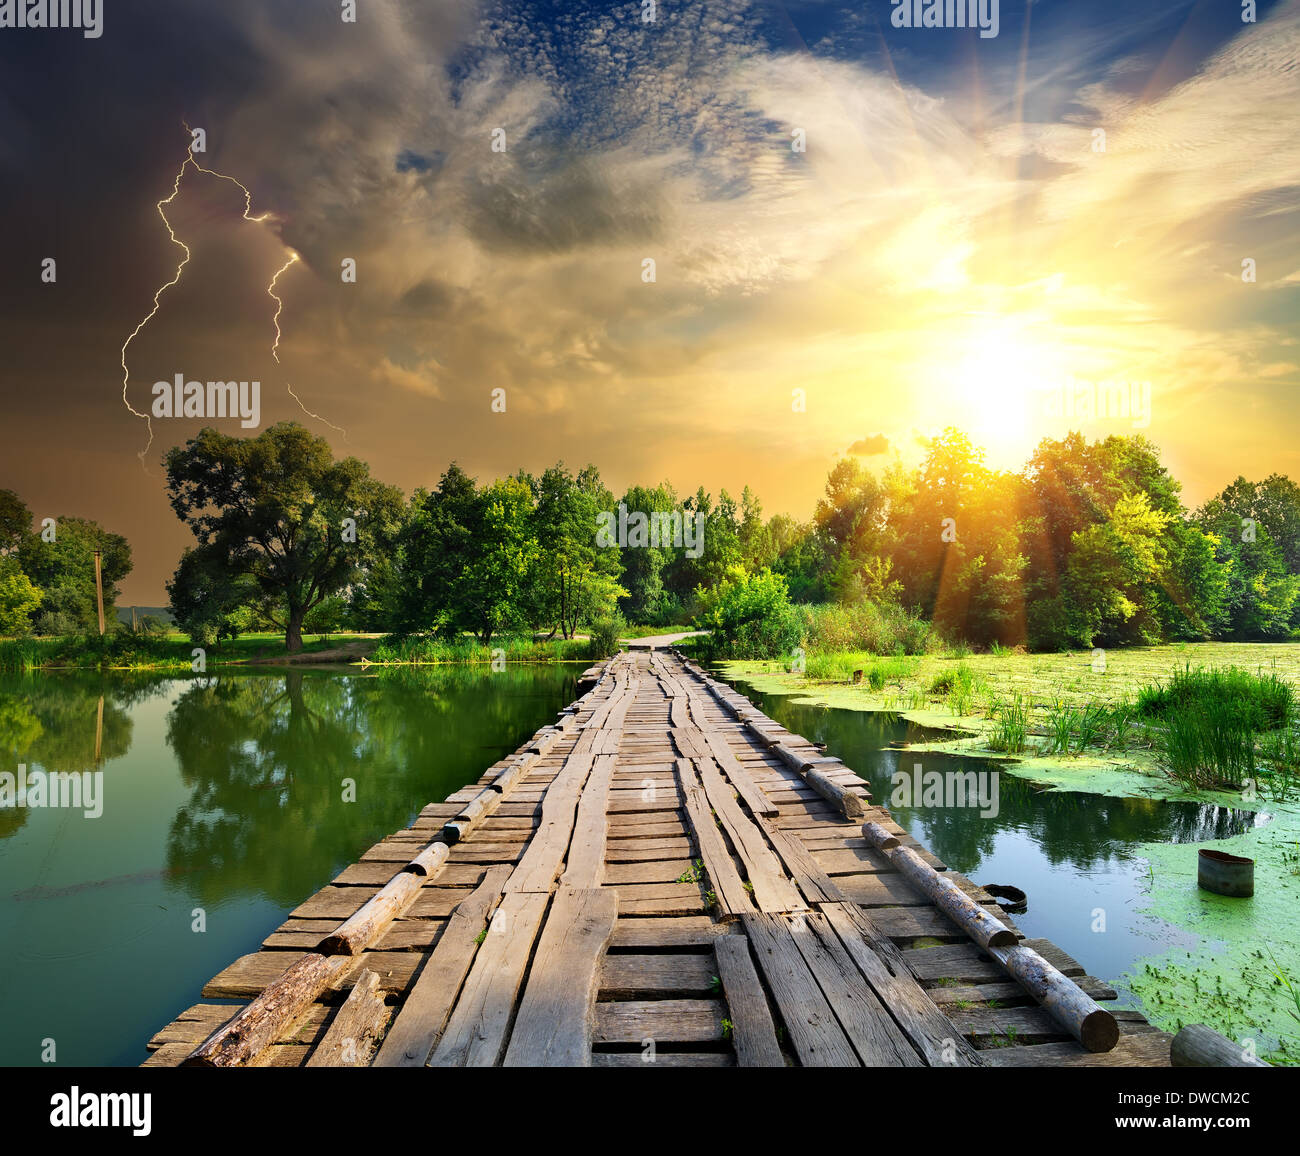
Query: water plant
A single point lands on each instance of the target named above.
(1010, 724)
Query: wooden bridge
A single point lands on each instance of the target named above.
(665, 876)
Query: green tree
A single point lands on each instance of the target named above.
(489, 594)
(19, 599)
(279, 510)
(64, 570)
(15, 521)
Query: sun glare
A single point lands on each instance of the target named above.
(992, 382)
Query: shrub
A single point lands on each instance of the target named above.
(877, 628)
(605, 633)
(749, 616)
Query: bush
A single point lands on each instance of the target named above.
(605, 633)
(883, 628)
(749, 616)
(56, 623)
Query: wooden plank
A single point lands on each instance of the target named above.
(586, 857)
(659, 1021)
(772, 890)
(669, 931)
(755, 798)
(352, 1035)
(729, 888)
(476, 1033)
(870, 1028)
(627, 976)
(420, 1020)
(539, 865)
(554, 1024)
(815, 1033)
(661, 1059)
(753, 1033)
(1141, 1050)
(931, 1033)
(811, 880)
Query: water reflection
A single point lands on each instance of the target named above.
(225, 793)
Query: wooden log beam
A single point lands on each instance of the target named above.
(1076, 1011)
(1197, 1046)
(357, 933)
(958, 906)
(261, 1023)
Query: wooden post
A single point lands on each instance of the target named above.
(99, 592)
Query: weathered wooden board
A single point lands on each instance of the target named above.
(586, 856)
(555, 1020)
(753, 1033)
(351, 1038)
(419, 1022)
(814, 1031)
(476, 1032)
(772, 890)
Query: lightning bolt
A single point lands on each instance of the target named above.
(294, 257)
(279, 305)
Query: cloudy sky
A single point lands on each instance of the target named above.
(985, 232)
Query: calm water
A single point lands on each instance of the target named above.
(223, 793)
(1071, 853)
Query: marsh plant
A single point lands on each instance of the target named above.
(1010, 724)
(1212, 719)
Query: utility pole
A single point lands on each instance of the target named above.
(99, 593)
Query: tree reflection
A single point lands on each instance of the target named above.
(68, 723)
(266, 757)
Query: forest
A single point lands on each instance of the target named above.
(1089, 544)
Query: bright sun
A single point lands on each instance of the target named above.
(992, 382)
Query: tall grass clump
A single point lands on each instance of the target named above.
(24, 654)
(1010, 724)
(1208, 746)
(1262, 701)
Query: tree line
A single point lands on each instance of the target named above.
(1089, 544)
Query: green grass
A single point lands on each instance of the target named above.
(1211, 720)
(1010, 724)
(1261, 701)
(422, 649)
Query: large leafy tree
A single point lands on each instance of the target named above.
(278, 510)
(442, 531)
(489, 594)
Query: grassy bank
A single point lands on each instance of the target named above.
(124, 651)
(419, 650)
